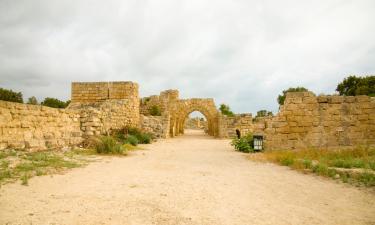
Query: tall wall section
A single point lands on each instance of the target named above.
(307, 121)
(106, 106)
(37, 127)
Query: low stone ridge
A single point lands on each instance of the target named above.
(37, 127)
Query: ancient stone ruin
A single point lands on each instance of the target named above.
(97, 108)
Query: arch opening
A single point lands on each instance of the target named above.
(181, 111)
(195, 121)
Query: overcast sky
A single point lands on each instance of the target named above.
(239, 52)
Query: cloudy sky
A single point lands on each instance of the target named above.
(239, 52)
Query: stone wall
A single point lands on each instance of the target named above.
(307, 121)
(100, 113)
(241, 122)
(147, 103)
(36, 127)
(93, 92)
(155, 125)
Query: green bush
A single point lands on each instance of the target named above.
(354, 85)
(109, 145)
(131, 139)
(10, 96)
(143, 138)
(55, 103)
(155, 111)
(281, 98)
(133, 136)
(225, 110)
(244, 144)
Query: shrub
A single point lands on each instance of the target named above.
(11, 96)
(131, 139)
(244, 144)
(225, 110)
(155, 111)
(143, 138)
(354, 85)
(133, 136)
(281, 98)
(264, 113)
(108, 145)
(55, 103)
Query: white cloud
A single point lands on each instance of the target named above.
(243, 53)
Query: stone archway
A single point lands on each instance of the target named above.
(182, 108)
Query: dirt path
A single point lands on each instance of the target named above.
(193, 179)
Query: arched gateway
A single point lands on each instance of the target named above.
(175, 111)
(181, 110)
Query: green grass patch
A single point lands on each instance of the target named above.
(109, 145)
(27, 165)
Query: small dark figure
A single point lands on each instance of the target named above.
(238, 133)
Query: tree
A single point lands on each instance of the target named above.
(32, 100)
(353, 85)
(11, 96)
(281, 98)
(263, 113)
(225, 110)
(54, 103)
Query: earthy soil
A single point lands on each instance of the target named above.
(192, 179)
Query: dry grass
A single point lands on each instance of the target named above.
(21, 165)
(356, 166)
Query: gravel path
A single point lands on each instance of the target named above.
(192, 179)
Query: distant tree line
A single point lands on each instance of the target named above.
(12, 96)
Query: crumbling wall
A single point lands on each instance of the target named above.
(321, 122)
(155, 125)
(36, 127)
(241, 122)
(101, 113)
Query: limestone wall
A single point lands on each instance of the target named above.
(93, 92)
(37, 127)
(156, 125)
(147, 103)
(163, 101)
(241, 122)
(100, 113)
(323, 122)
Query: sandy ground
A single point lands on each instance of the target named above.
(192, 179)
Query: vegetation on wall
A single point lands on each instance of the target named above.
(11, 96)
(225, 110)
(354, 85)
(281, 98)
(155, 111)
(55, 103)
